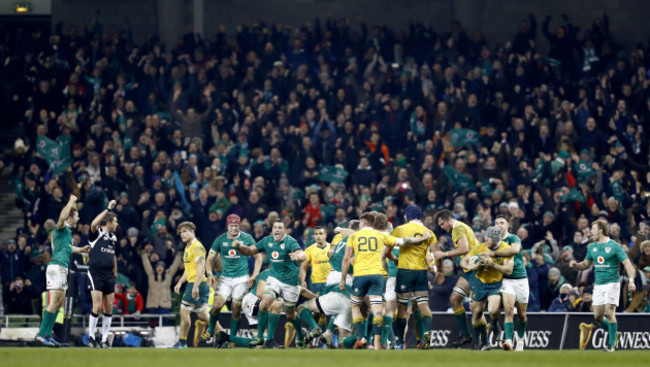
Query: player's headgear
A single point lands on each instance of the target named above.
(494, 233)
(412, 212)
(233, 218)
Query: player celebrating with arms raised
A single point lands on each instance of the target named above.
(464, 240)
(197, 291)
(607, 255)
(57, 270)
(235, 280)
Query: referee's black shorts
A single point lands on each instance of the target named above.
(102, 280)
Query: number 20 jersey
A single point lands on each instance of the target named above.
(368, 245)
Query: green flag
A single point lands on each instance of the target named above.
(417, 127)
(460, 181)
(56, 155)
(486, 188)
(584, 170)
(332, 174)
(574, 195)
(463, 137)
(157, 225)
(618, 191)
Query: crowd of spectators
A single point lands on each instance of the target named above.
(319, 123)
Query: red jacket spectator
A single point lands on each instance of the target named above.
(129, 303)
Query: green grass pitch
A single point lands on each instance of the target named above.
(149, 357)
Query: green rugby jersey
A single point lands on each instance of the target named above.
(336, 261)
(282, 267)
(519, 270)
(235, 264)
(61, 250)
(606, 258)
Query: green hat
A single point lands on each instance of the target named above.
(618, 144)
(585, 151)
(567, 248)
(647, 268)
(298, 194)
(564, 154)
(157, 225)
(35, 253)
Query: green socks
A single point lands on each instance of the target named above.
(399, 325)
(331, 326)
(426, 323)
(45, 324)
(521, 328)
(234, 326)
(273, 322)
(240, 342)
(510, 327)
(348, 343)
(385, 331)
(306, 315)
(484, 336)
(212, 324)
(297, 324)
(613, 330)
(359, 328)
(262, 321)
(377, 325)
(461, 319)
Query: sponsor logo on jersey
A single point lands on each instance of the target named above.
(275, 255)
(600, 259)
(232, 252)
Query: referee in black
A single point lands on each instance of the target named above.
(102, 272)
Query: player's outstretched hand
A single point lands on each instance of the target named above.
(111, 204)
(293, 256)
(73, 199)
(572, 264)
(439, 255)
(85, 249)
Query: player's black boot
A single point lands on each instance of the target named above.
(462, 340)
(258, 342)
(271, 344)
(92, 342)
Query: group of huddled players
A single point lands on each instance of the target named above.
(368, 281)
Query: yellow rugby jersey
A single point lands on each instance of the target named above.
(414, 256)
(192, 252)
(462, 230)
(320, 262)
(368, 245)
(489, 275)
(338, 238)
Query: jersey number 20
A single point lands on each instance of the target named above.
(367, 244)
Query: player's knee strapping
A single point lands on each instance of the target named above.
(422, 300)
(403, 300)
(356, 302)
(460, 291)
(289, 306)
(271, 293)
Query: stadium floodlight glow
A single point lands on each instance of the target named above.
(22, 7)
